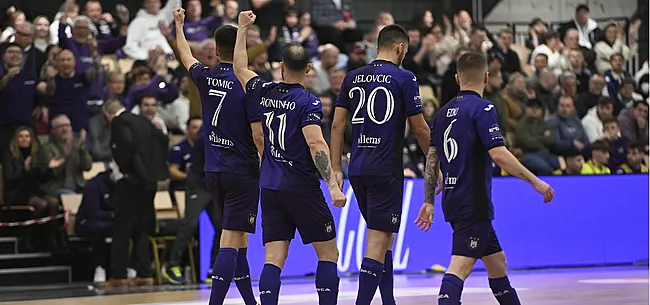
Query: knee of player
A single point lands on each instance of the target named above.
(327, 252)
(276, 257)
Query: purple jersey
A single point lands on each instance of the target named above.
(287, 163)
(380, 96)
(227, 115)
(463, 131)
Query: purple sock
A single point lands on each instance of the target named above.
(327, 283)
(222, 273)
(450, 290)
(270, 284)
(243, 278)
(503, 292)
(369, 276)
(386, 281)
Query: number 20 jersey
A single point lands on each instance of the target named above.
(463, 132)
(227, 114)
(379, 96)
(287, 164)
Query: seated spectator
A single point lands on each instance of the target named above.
(310, 82)
(540, 63)
(230, 12)
(550, 48)
(493, 94)
(627, 95)
(357, 57)
(95, 219)
(642, 78)
(498, 171)
(589, 99)
(312, 42)
(143, 33)
(599, 158)
(176, 113)
(180, 155)
(567, 128)
(635, 157)
(514, 99)
(634, 122)
(617, 143)
(99, 132)
(612, 43)
(115, 87)
(328, 61)
(546, 92)
(68, 177)
(586, 26)
(614, 77)
(593, 121)
(536, 28)
(574, 163)
(449, 88)
(579, 68)
(336, 80)
(535, 138)
(569, 87)
(148, 108)
(570, 40)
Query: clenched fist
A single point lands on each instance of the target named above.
(179, 15)
(246, 18)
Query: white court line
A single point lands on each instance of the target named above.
(616, 281)
(345, 295)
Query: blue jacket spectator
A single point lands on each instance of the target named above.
(95, 215)
(567, 128)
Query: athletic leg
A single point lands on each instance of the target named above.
(451, 288)
(386, 283)
(327, 279)
(276, 256)
(495, 263)
(243, 274)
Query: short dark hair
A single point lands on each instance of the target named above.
(542, 55)
(192, 118)
(12, 44)
(609, 119)
(291, 11)
(147, 95)
(471, 65)
(582, 7)
(604, 101)
(392, 34)
(547, 36)
(295, 57)
(636, 145)
(641, 102)
(616, 55)
(600, 145)
(225, 37)
(628, 81)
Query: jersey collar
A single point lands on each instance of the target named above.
(470, 92)
(384, 61)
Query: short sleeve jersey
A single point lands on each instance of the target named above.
(287, 163)
(463, 132)
(227, 115)
(380, 96)
(181, 155)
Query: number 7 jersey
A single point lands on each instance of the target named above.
(380, 96)
(227, 115)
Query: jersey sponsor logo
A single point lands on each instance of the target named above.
(365, 141)
(450, 146)
(495, 132)
(450, 181)
(489, 107)
(219, 142)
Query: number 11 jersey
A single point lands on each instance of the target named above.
(227, 114)
(380, 96)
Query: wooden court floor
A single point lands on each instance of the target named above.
(598, 286)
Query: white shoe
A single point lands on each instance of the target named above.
(130, 273)
(100, 275)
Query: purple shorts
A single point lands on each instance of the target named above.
(380, 201)
(474, 238)
(237, 196)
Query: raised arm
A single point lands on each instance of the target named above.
(183, 46)
(240, 58)
(93, 72)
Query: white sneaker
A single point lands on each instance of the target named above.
(100, 275)
(130, 273)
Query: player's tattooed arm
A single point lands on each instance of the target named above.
(320, 153)
(322, 162)
(431, 173)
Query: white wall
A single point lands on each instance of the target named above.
(557, 10)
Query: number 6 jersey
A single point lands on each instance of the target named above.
(227, 114)
(380, 96)
(463, 132)
(287, 164)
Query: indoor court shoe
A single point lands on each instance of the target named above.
(174, 275)
(115, 283)
(142, 281)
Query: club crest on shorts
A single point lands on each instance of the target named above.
(394, 218)
(473, 243)
(251, 218)
(329, 227)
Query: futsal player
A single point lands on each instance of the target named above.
(234, 139)
(294, 155)
(380, 96)
(465, 135)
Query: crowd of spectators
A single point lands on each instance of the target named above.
(566, 103)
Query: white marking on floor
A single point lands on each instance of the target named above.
(344, 295)
(616, 281)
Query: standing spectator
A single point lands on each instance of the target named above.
(421, 56)
(69, 8)
(95, 219)
(589, 99)
(617, 143)
(67, 178)
(199, 29)
(612, 43)
(423, 22)
(312, 42)
(99, 131)
(115, 87)
(588, 30)
(567, 128)
(106, 27)
(180, 155)
(627, 94)
(477, 37)
(615, 76)
(493, 93)
(634, 122)
(69, 89)
(514, 99)
(292, 31)
(328, 61)
(510, 59)
(574, 163)
(449, 86)
(269, 13)
(550, 47)
(536, 29)
(42, 38)
(335, 22)
(177, 113)
(143, 32)
(148, 108)
(17, 95)
(144, 84)
(33, 59)
(535, 138)
(230, 12)
(593, 121)
(634, 164)
(579, 68)
(599, 158)
(15, 19)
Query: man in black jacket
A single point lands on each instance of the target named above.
(139, 149)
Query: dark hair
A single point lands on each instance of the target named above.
(571, 153)
(628, 81)
(599, 145)
(295, 57)
(636, 145)
(147, 95)
(225, 37)
(616, 55)
(476, 29)
(12, 44)
(641, 102)
(392, 34)
(292, 11)
(609, 119)
(192, 118)
(471, 63)
(547, 36)
(604, 101)
(582, 7)
(543, 55)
